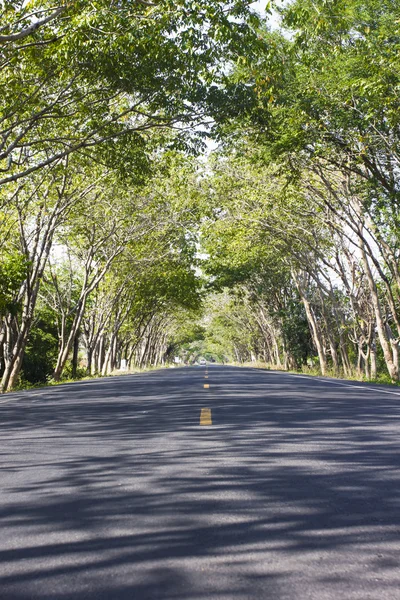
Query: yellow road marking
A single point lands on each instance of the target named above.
(205, 376)
(206, 385)
(205, 416)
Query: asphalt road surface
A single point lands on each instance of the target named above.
(263, 485)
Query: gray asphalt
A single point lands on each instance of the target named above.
(111, 489)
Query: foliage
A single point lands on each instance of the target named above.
(121, 246)
(12, 274)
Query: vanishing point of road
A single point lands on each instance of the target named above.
(200, 483)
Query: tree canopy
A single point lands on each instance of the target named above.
(186, 180)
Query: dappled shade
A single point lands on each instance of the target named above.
(112, 489)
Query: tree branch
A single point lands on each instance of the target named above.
(13, 37)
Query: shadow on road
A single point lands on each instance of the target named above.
(111, 489)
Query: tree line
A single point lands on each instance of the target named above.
(102, 104)
(307, 232)
(116, 235)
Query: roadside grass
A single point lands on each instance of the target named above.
(381, 379)
(24, 385)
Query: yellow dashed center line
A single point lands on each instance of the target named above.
(206, 385)
(205, 416)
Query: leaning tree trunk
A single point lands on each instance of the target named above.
(391, 364)
(14, 363)
(317, 337)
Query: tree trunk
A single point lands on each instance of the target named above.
(360, 360)
(14, 363)
(75, 355)
(314, 330)
(65, 351)
(345, 356)
(392, 366)
(373, 358)
(89, 360)
(334, 355)
(100, 354)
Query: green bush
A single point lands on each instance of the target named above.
(41, 353)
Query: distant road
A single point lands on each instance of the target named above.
(264, 485)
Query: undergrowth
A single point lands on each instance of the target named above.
(381, 379)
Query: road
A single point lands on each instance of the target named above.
(288, 490)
